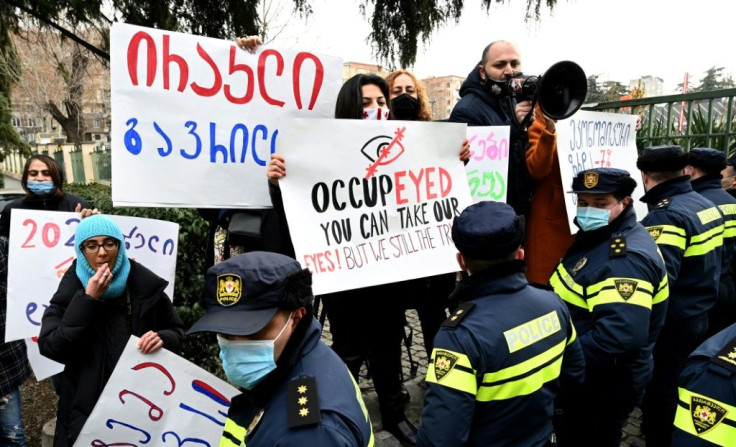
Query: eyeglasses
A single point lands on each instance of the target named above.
(92, 248)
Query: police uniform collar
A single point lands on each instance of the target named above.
(706, 182)
(668, 188)
(304, 338)
(487, 281)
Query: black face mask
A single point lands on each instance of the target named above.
(495, 88)
(405, 107)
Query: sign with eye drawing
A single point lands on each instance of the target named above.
(372, 202)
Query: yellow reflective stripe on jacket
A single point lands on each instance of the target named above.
(567, 288)
(520, 387)
(703, 243)
(460, 375)
(612, 290)
(729, 229)
(712, 429)
(709, 215)
(669, 235)
(574, 335)
(527, 365)
(359, 396)
(728, 209)
(663, 292)
(234, 431)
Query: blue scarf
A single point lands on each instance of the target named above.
(99, 225)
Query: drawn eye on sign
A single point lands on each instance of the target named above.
(383, 150)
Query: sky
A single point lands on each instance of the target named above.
(616, 39)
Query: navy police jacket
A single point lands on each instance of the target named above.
(689, 232)
(309, 400)
(614, 282)
(497, 363)
(710, 188)
(706, 413)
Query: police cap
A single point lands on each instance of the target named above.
(487, 231)
(731, 161)
(244, 292)
(711, 161)
(662, 159)
(599, 181)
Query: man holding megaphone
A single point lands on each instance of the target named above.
(496, 93)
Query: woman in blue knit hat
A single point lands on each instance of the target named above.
(102, 300)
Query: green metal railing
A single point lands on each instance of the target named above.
(708, 119)
(101, 164)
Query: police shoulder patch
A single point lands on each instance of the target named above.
(461, 312)
(617, 247)
(726, 357)
(655, 232)
(664, 203)
(625, 287)
(705, 414)
(303, 405)
(444, 361)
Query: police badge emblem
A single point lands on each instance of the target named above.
(590, 180)
(625, 287)
(706, 414)
(229, 288)
(655, 232)
(443, 363)
(579, 265)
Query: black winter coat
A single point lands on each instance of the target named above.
(73, 333)
(479, 108)
(67, 202)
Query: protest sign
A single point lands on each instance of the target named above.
(195, 119)
(43, 367)
(372, 202)
(591, 140)
(488, 167)
(41, 249)
(158, 399)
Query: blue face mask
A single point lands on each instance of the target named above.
(248, 362)
(40, 188)
(590, 218)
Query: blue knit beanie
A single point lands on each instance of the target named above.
(99, 225)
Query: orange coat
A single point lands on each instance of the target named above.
(547, 231)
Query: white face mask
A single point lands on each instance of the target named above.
(377, 113)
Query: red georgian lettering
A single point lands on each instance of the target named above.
(319, 74)
(233, 68)
(135, 42)
(178, 60)
(262, 75)
(217, 84)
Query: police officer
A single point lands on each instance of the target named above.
(614, 282)
(296, 391)
(705, 177)
(498, 360)
(688, 230)
(706, 411)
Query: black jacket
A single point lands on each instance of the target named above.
(67, 202)
(73, 333)
(479, 108)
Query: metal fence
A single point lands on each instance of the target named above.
(702, 119)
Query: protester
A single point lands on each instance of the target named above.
(498, 361)
(296, 388)
(14, 369)
(705, 177)
(706, 410)
(614, 282)
(42, 182)
(688, 230)
(102, 300)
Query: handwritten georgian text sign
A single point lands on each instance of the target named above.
(158, 399)
(41, 249)
(488, 167)
(591, 140)
(372, 202)
(195, 119)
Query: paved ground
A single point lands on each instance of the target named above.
(413, 383)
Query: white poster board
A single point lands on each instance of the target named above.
(372, 202)
(488, 167)
(591, 140)
(158, 399)
(195, 119)
(41, 249)
(43, 367)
